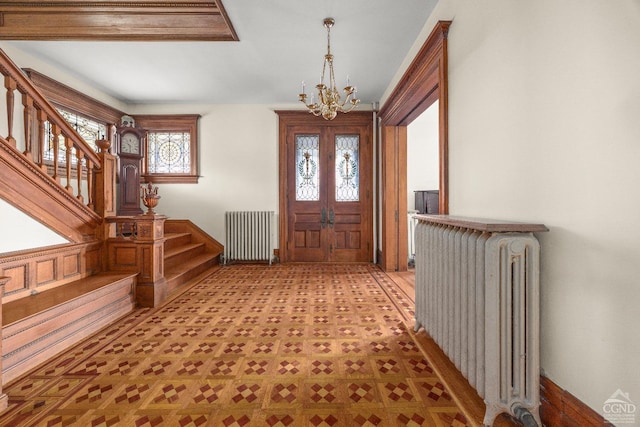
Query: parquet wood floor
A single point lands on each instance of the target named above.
(249, 345)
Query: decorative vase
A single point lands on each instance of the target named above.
(149, 196)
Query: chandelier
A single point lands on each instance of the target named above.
(329, 102)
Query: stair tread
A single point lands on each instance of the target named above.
(184, 267)
(181, 249)
(169, 236)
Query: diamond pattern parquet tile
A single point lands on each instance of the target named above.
(277, 346)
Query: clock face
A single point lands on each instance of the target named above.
(130, 143)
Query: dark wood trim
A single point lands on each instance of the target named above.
(414, 93)
(424, 82)
(147, 20)
(561, 408)
(70, 99)
(480, 224)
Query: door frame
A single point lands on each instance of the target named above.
(424, 82)
(287, 118)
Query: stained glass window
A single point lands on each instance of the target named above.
(169, 152)
(347, 168)
(307, 167)
(89, 130)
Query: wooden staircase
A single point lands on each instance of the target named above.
(53, 297)
(188, 252)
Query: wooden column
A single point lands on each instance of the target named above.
(393, 247)
(105, 184)
(151, 289)
(3, 397)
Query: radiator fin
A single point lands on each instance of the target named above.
(248, 236)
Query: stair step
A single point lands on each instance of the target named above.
(182, 254)
(179, 274)
(174, 240)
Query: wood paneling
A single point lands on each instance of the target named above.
(116, 20)
(18, 279)
(4, 400)
(37, 270)
(45, 272)
(561, 408)
(71, 265)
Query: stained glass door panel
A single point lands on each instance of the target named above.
(307, 163)
(347, 168)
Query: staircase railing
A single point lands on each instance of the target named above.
(39, 129)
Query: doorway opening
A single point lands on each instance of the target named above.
(423, 84)
(422, 171)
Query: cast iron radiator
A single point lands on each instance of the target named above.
(477, 296)
(248, 236)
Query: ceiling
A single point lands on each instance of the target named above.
(281, 43)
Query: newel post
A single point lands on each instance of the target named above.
(151, 289)
(3, 397)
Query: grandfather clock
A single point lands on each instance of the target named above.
(131, 148)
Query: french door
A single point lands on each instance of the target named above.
(327, 184)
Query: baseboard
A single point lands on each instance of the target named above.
(561, 408)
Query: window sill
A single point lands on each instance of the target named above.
(171, 179)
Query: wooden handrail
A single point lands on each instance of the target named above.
(36, 112)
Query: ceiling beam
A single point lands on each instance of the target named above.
(110, 20)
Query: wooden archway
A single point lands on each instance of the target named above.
(424, 82)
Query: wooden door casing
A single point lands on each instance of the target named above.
(325, 230)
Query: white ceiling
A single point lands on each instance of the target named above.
(282, 42)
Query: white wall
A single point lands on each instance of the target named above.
(238, 151)
(20, 231)
(422, 154)
(544, 126)
(25, 60)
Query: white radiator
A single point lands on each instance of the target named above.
(477, 295)
(411, 224)
(248, 236)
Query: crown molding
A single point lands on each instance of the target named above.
(150, 20)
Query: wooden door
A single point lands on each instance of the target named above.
(327, 185)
